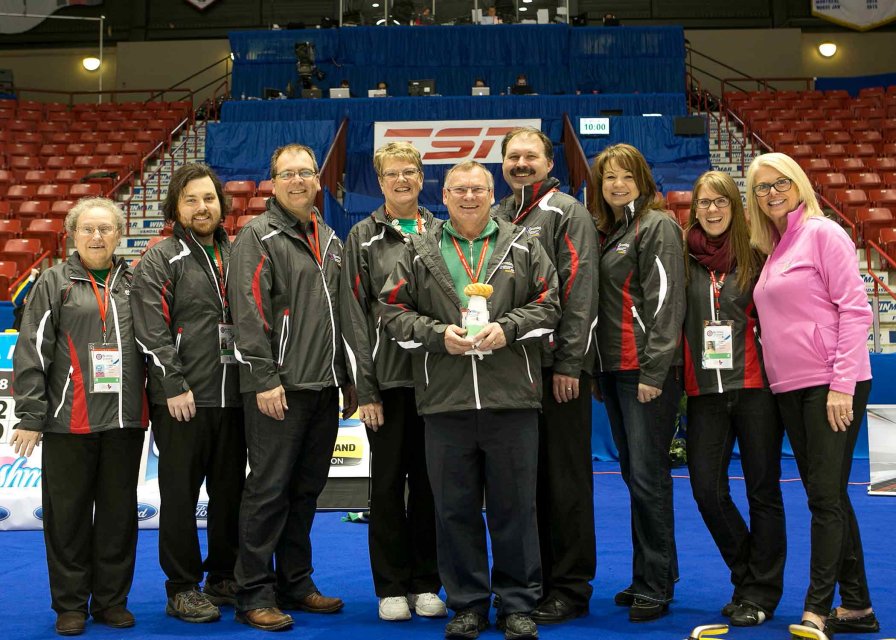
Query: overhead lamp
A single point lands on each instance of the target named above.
(90, 63)
(827, 49)
(524, 8)
(375, 5)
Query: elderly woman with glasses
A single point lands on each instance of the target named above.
(729, 400)
(402, 535)
(815, 317)
(80, 388)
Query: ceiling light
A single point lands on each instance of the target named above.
(827, 49)
(91, 63)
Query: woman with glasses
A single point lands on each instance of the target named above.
(815, 318)
(401, 534)
(80, 389)
(640, 313)
(729, 400)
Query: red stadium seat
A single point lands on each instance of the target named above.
(21, 192)
(9, 273)
(861, 150)
(885, 163)
(85, 189)
(70, 176)
(816, 164)
(38, 176)
(678, 198)
(243, 220)
(238, 205)
(33, 209)
(829, 182)
(849, 200)
(257, 205)
(52, 192)
(871, 220)
(848, 164)
(889, 178)
(23, 164)
(863, 180)
(829, 150)
(837, 137)
(107, 148)
(245, 188)
(265, 188)
(80, 148)
(49, 232)
(809, 137)
(52, 149)
(60, 208)
(883, 198)
(10, 229)
(22, 251)
(57, 163)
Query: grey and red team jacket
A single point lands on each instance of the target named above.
(375, 362)
(178, 303)
(52, 358)
(642, 303)
(419, 301)
(566, 231)
(735, 306)
(284, 304)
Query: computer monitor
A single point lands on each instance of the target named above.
(271, 94)
(376, 93)
(488, 20)
(311, 93)
(339, 93)
(481, 91)
(607, 113)
(521, 89)
(421, 87)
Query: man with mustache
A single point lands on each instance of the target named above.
(182, 323)
(565, 499)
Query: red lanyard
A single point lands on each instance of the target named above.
(717, 290)
(463, 260)
(219, 263)
(530, 207)
(102, 303)
(419, 221)
(315, 246)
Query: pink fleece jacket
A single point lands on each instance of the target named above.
(813, 309)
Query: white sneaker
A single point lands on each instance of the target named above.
(394, 608)
(428, 605)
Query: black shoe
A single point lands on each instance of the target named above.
(643, 610)
(624, 598)
(749, 614)
(466, 624)
(827, 631)
(730, 608)
(555, 611)
(863, 624)
(517, 626)
(497, 603)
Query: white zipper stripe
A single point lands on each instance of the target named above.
(118, 342)
(591, 329)
(379, 236)
(329, 308)
(509, 247)
(214, 273)
(223, 383)
(535, 333)
(284, 334)
(376, 345)
(68, 379)
(183, 253)
(350, 356)
(155, 358)
(270, 235)
(426, 368)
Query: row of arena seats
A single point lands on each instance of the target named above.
(248, 198)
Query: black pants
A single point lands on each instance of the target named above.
(495, 451)
(755, 553)
(89, 493)
(402, 539)
(824, 458)
(210, 447)
(289, 461)
(566, 494)
(643, 433)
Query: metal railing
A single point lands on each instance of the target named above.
(577, 163)
(333, 166)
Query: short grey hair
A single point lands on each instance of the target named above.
(71, 219)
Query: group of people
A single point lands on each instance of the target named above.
(478, 340)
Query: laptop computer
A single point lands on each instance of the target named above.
(481, 91)
(311, 93)
(377, 93)
(340, 92)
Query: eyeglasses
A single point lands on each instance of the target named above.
(781, 185)
(407, 174)
(720, 202)
(304, 174)
(105, 230)
(460, 192)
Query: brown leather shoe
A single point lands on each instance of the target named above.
(266, 618)
(117, 617)
(316, 603)
(70, 623)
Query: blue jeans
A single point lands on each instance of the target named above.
(755, 553)
(642, 433)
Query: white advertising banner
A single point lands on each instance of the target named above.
(451, 141)
(20, 477)
(861, 15)
(882, 449)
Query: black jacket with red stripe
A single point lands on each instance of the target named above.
(566, 230)
(372, 250)
(52, 358)
(737, 306)
(642, 286)
(285, 304)
(178, 305)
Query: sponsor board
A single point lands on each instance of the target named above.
(869, 282)
(146, 511)
(451, 141)
(145, 227)
(882, 449)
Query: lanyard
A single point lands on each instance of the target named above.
(102, 303)
(463, 260)
(717, 290)
(315, 246)
(394, 222)
(222, 286)
(530, 207)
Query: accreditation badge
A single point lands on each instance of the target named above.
(718, 345)
(105, 368)
(227, 343)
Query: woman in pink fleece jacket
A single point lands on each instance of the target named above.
(814, 315)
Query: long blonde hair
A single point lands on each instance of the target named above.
(749, 262)
(763, 233)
